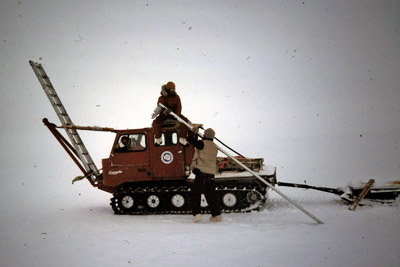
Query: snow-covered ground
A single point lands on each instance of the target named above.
(310, 86)
(80, 229)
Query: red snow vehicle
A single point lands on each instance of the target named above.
(148, 178)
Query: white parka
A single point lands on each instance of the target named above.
(205, 159)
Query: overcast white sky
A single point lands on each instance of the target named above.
(311, 86)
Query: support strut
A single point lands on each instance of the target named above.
(67, 147)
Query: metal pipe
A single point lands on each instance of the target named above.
(87, 128)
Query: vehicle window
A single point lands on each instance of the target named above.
(168, 139)
(131, 143)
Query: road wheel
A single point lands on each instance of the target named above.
(203, 201)
(253, 197)
(179, 202)
(153, 202)
(230, 200)
(124, 203)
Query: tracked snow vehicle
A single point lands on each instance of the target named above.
(146, 178)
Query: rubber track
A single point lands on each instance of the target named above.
(244, 202)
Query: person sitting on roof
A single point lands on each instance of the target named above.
(172, 101)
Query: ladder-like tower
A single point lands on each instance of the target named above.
(65, 120)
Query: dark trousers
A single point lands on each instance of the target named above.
(157, 124)
(204, 184)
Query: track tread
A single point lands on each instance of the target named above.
(166, 192)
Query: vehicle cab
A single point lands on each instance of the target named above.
(135, 157)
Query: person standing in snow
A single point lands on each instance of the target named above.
(172, 101)
(204, 167)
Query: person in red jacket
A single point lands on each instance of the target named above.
(172, 101)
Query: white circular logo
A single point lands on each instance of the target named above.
(167, 157)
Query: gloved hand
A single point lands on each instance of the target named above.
(167, 111)
(196, 127)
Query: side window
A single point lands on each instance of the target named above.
(168, 139)
(131, 143)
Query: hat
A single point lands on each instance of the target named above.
(170, 85)
(209, 133)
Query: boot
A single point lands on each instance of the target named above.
(183, 141)
(217, 218)
(197, 218)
